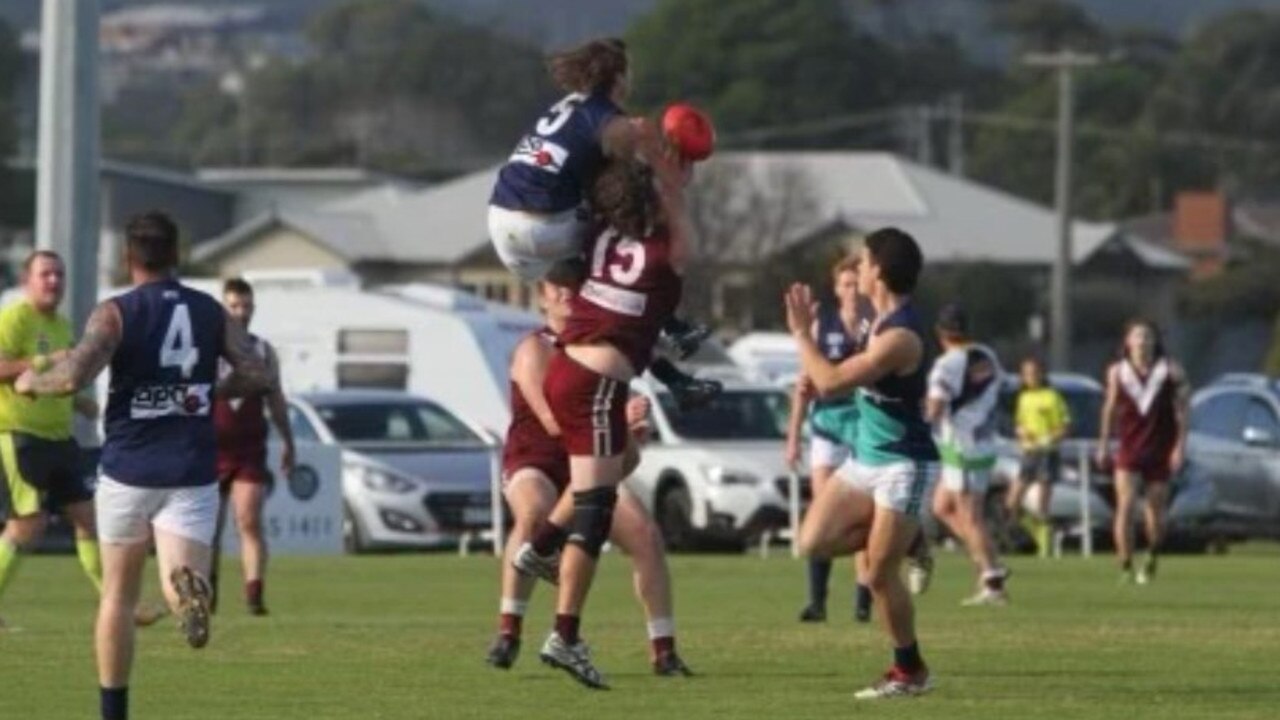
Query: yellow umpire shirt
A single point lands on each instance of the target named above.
(25, 333)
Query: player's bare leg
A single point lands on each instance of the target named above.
(594, 485)
(891, 536)
(184, 569)
(1155, 509)
(538, 555)
(81, 517)
(836, 523)
(862, 599)
(639, 537)
(819, 568)
(122, 565)
(992, 575)
(531, 496)
(247, 499)
(1126, 490)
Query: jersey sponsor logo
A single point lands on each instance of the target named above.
(835, 344)
(157, 401)
(540, 153)
(619, 300)
(1143, 394)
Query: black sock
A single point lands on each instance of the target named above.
(667, 373)
(863, 596)
(115, 703)
(819, 576)
(908, 658)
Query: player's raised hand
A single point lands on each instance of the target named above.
(800, 309)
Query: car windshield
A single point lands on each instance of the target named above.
(734, 415)
(1084, 404)
(401, 423)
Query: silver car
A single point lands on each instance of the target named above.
(413, 474)
(1234, 443)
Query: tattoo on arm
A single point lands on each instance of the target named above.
(88, 358)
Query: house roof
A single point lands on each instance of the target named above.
(954, 219)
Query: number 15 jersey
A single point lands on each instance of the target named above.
(632, 291)
(159, 425)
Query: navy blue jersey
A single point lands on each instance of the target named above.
(159, 424)
(837, 342)
(556, 161)
(891, 424)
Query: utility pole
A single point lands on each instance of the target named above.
(67, 219)
(1064, 63)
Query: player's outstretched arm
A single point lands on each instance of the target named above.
(81, 366)
(888, 352)
(250, 374)
(278, 409)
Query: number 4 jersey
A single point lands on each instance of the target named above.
(159, 425)
(632, 291)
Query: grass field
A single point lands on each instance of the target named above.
(404, 636)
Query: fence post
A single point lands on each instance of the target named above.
(793, 508)
(1086, 504)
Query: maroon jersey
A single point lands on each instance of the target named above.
(1146, 414)
(241, 423)
(632, 291)
(528, 444)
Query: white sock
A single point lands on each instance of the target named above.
(511, 606)
(662, 627)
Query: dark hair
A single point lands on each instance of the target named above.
(36, 255)
(624, 196)
(592, 67)
(1033, 359)
(152, 240)
(1137, 323)
(899, 259)
(237, 286)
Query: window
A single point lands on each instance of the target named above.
(397, 423)
(301, 426)
(734, 415)
(1260, 416)
(375, 375)
(1221, 416)
(497, 292)
(373, 342)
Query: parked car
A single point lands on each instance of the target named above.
(1190, 511)
(715, 475)
(1234, 444)
(413, 474)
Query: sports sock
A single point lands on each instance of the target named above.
(549, 538)
(115, 703)
(511, 619)
(993, 579)
(862, 596)
(10, 558)
(91, 560)
(253, 592)
(819, 578)
(908, 658)
(662, 635)
(567, 628)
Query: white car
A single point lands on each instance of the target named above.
(715, 475)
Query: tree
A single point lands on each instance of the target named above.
(390, 84)
(754, 63)
(742, 218)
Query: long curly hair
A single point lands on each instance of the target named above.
(593, 67)
(625, 197)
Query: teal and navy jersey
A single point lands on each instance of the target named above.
(558, 159)
(891, 424)
(835, 418)
(159, 425)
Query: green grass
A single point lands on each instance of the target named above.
(403, 637)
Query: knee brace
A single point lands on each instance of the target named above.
(592, 518)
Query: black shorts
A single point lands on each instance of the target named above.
(1041, 465)
(41, 474)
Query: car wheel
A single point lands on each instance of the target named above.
(675, 512)
(354, 540)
